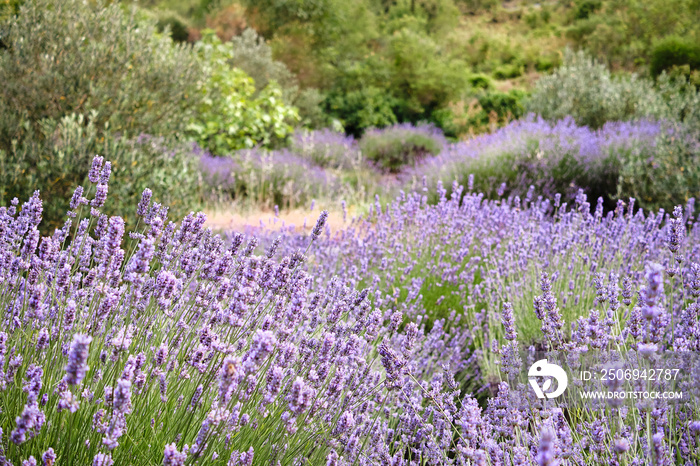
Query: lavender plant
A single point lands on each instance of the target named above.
(620, 160)
(392, 148)
(327, 148)
(285, 178)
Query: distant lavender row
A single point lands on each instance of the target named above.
(620, 159)
(318, 164)
(558, 157)
(267, 178)
(551, 138)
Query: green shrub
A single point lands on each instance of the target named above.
(393, 148)
(492, 108)
(58, 160)
(66, 57)
(544, 64)
(623, 32)
(665, 175)
(7, 9)
(588, 92)
(251, 54)
(232, 115)
(177, 27)
(673, 51)
(680, 100)
(254, 56)
(422, 79)
(410, 79)
(361, 109)
(585, 89)
(509, 71)
(310, 103)
(584, 8)
(480, 81)
(473, 7)
(504, 104)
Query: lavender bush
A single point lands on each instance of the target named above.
(395, 147)
(327, 148)
(562, 157)
(284, 178)
(655, 162)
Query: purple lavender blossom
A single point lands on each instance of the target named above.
(320, 223)
(546, 451)
(172, 457)
(29, 423)
(508, 321)
(94, 173)
(142, 208)
(102, 459)
(122, 396)
(77, 359)
(48, 457)
(100, 196)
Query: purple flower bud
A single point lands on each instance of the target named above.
(122, 396)
(42, 339)
(345, 423)
(106, 172)
(102, 459)
(647, 349)
(194, 402)
(545, 452)
(100, 196)
(68, 402)
(28, 424)
(695, 427)
(142, 208)
(77, 359)
(48, 457)
(94, 173)
(622, 445)
(172, 457)
(77, 200)
(273, 247)
(509, 322)
(320, 223)
(228, 377)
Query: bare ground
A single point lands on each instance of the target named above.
(234, 219)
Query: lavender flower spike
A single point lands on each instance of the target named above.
(545, 453)
(318, 229)
(77, 359)
(94, 173)
(172, 457)
(142, 208)
(49, 457)
(509, 321)
(102, 459)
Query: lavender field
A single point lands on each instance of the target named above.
(349, 233)
(395, 341)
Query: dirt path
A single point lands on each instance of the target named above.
(301, 220)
